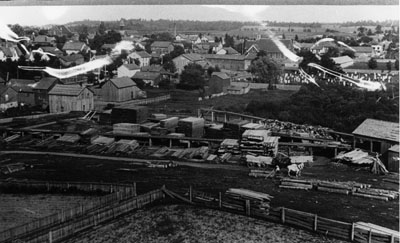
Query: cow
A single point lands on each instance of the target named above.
(296, 168)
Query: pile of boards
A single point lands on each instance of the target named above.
(257, 200)
(229, 146)
(259, 142)
(262, 173)
(341, 187)
(257, 161)
(191, 153)
(361, 157)
(191, 127)
(11, 168)
(161, 164)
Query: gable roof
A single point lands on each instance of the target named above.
(67, 90)
(230, 51)
(362, 49)
(122, 82)
(73, 45)
(225, 57)
(152, 68)
(267, 45)
(161, 44)
(51, 49)
(395, 148)
(220, 75)
(193, 57)
(146, 75)
(131, 66)
(342, 59)
(143, 54)
(44, 83)
(43, 38)
(379, 130)
(22, 85)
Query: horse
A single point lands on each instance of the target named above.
(295, 168)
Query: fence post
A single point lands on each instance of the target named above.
(283, 215)
(248, 207)
(50, 237)
(352, 232)
(315, 222)
(134, 189)
(190, 194)
(392, 239)
(220, 199)
(370, 236)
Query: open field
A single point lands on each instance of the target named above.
(17, 209)
(186, 102)
(181, 223)
(329, 205)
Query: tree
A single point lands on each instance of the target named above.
(296, 38)
(192, 77)
(369, 32)
(17, 29)
(283, 36)
(349, 53)
(361, 30)
(266, 70)
(372, 63)
(178, 50)
(229, 41)
(102, 28)
(378, 29)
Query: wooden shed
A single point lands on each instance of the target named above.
(393, 159)
(219, 83)
(73, 97)
(118, 90)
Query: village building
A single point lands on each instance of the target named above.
(183, 60)
(227, 51)
(59, 30)
(230, 62)
(9, 51)
(149, 78)
(74, 47)
(128, 70)
(25, 96)
(268, 46)
(51, 49)
(41, 90)
(43, 40)
(377, 136)
(218, 83)
(8, 97)
(343, 61)
(64, 98)
(362, 52)
(142, 56)
(72, 60)
(119, 90)
(161, 47)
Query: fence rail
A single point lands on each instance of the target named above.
(299, 219)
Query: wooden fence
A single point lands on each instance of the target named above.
(311, 222)
(67, 222)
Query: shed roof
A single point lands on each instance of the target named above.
(161, 44)
(146, 75)
(342, 59)
(193, 57)
(220, 75)
(122, 82)
(378, 129)
(44, 83)
(131, 66)
(395, 148)
(67, 90)
(71, 58)
(76, 46)
(24, 85)
(143, 54)
(268, 45)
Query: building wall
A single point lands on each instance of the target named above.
(27, 98)
(124, 72)
(180, 62)
(9, 94)
(111, 93)
(393, 162)
(63, 103)
(218, 85)
(228, 64)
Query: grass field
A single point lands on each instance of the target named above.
(329, 205)
(179, 223)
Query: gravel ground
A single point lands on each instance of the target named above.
(181, 223)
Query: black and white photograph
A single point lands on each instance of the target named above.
(199, 121)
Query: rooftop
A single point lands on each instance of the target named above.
(378, 129)
(122, 82)
(66, 90)
(76, 46)
(221, 75)
(44, 83)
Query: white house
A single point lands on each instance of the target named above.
(142, 56)
(128, 70)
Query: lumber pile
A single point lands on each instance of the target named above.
(125, 128)
(129, 113)
(232, 128)
(11, 138)
(101, 140)
(259, 142)
(262, 173)
(191, 126)
(157, 117)
(225, 157)
(169, 123)
(257, 200)
(229, 146)
(191, 153)
(69, 138)
(251, 126)
(89, 135)
(257, 161)
(356, 156)
(161, 164)
(11, 168)
(288, 183)
(148, 126)
(379, 194)
(122, 146)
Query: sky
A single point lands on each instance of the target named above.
(44, 15)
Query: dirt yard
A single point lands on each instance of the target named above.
(18, 209)
(329, 205)
(178, 223)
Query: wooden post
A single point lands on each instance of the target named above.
(311, 151)
(134, 189)
(190, 194)
(335, 152)
(225, 117)
(315, 222)
(370, 236)
(220, 199)
(150, 142)
(354, 142)
(352, 232)
(371, 145)
(248, 207)
(392, 239)
(170, 143)
(212, 116)
(50, 237)
(283, 215)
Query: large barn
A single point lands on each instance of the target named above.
(118, 90)
(63, 98)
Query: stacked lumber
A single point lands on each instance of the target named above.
(125, 128)
(262, 173)
(69, 138)
(191, 153)
(148, 126)
(335, 187)
(288, 183)
(11, 168)
(225, 157)
(215, 131)
(161, 164)
(257, 200)
(257, 161)
(251, 126)
(89, 135)
(374, 193)
(259, 142)
(378, 167)
(129, 113)
(11, 138)
(229, 146)
(212, 158)
(301, 159)
(168, 123)
(356, 156)
(191, 126)
(96, 148)
(103, 140)
(232, 128)
(157, 117)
